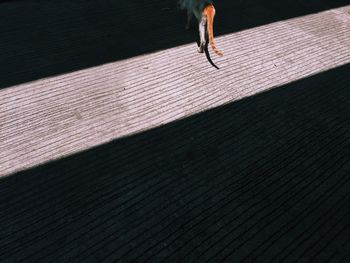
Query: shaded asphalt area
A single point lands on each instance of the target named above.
(45, 38)
(265, 178)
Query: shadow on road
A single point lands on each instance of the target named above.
(45, 38)
(254, 178)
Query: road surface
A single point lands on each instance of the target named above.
(120, 143)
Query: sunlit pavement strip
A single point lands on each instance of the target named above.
(57, 116)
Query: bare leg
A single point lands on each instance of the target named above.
(202, 26)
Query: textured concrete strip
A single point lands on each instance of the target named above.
(57, 116)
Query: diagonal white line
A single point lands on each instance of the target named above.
(57, 116)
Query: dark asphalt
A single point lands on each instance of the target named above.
(263, 179)
(45, 38)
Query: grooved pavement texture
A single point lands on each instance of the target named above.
(161, 157)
